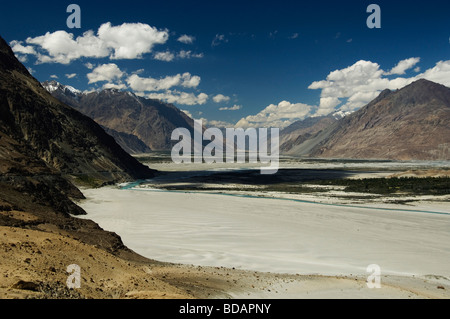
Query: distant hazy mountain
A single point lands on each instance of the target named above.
(150, 121)
(300, 131)
(409, 124)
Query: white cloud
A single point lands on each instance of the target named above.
(188, 55)
(89, 65)
(22, 58)
(219, 98)
(21, 51)
(53, 76)
(62, 48)
(177, 97)
(327, 105)
(106, 72)
(131, 40)
(17, 47)
(187, 113)
(164, 56)
(403, 66)
(218, 124)
(294, 36)
(357, 85)
(346, 90)
(186, 39)
(140, 84)
(168, 56)
(219, 39)
(232, 108)
(280, 115)
(440, 73)
(119, 86)
(71, 76)
(189, 81)
(140, 71)
(127, 41)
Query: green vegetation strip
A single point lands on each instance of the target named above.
(392, 186)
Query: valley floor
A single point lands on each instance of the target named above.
(34, 266)
(278, 248)
(202, 237)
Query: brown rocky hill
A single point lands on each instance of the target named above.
(412, 123)
(44, 146)
(62, 137)
(150, 121)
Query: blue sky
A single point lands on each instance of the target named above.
(245, 63)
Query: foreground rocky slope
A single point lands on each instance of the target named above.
(44, 146)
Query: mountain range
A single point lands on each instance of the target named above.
(138, 124)
(412, 123)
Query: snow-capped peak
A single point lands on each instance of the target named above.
(72, 89)
(52, 86)
(341, 114)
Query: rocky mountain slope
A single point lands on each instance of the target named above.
(45, 145)
(300, 131)
(150, 121)
(412, 123)
(62, 137)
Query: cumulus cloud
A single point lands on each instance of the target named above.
(403, 66)
(71, 76)
(327, 105)
(219, 98)
(17, 47)
(53, 76)
(276, 115)
(127, 41)
(345, 90)
(185, 80)
(106, 72)
(178, 97)
(355, 86)
(186, 39)
(119, 86)
(164, 56)
(440, 73)
(232, 108)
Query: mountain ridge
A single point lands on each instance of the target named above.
(150, 121)
(412, 123)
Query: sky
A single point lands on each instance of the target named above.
(235, 63)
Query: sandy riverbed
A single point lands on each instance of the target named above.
(285, 237)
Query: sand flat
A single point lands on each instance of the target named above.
(277, 236)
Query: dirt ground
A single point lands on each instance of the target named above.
(34, 265)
